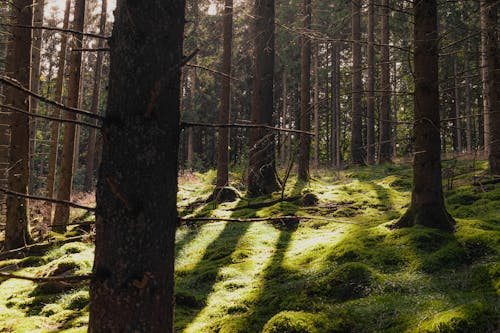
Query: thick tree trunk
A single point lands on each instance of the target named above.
(132, 289)
(385, 103)
(370, 112)
(305, 96)
(357, 87)
(491, 75)
(61, 216)
(89, 167)
(18, 67)
(262, 172)
(225, 104)
(55, 125)
(4, 122)
(427, 203)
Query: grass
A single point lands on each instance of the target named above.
(317, 276)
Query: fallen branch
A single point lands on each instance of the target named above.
(33, 197)
(185, 124)
(263, 219)
(85, 34)
(13, 83)
(74, 278)
(35, 115)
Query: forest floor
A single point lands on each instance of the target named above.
(342, 271)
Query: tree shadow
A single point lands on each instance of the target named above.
(384, 198)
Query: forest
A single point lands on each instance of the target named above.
(274, 166)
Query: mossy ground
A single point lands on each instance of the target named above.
(353, 274)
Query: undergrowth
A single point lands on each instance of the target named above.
(344, 271)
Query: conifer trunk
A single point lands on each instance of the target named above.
(370, 112)
(357, 87)
(385, 103)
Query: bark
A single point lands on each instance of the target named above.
(427, 206)
(262, 172)
(136, 216)
(225, 107)
(468, 115)
(491, 75)
(336, 105)
(370, 112)
(61, 216)
(4, 122)
(385, 103)
(316, 108)
(284, 136)
(18, 65)
(356, 121)
(485, 73)
(89, 165)
(305, 96)
(458, 121)
(54, 127)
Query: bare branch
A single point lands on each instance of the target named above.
(74, 278)
(74, 32)
(185, 124)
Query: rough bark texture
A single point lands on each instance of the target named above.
(485, 73)
(370, 103)
(492, 76)
(456, 97)
(427, 203)
(61, 215)
(225, 106)
(89, 165)
(262, 173)
(18, 66)
(136, 213)
(55, 125)
(4, 121)
(305, 96)
(385, 103)
(357, 87)
(336, 103)
(316, 106)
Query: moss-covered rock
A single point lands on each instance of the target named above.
(291, 322)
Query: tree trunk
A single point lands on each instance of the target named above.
(61, 216)
(316, 107)
(284, 135)
(356, 121)
(427, 203)
(89, 167)
(132, 289)
(370, 112)
(491, 74)
(262, 172)
(55, 125)
(385, 103)
(485, 73)
(305, 95)
(458, 121)
(468, 115)
(18, 67)
(225, 104)
(4, 121)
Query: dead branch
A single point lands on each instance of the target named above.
(185, 124)
(37, 248)
(13, 83)
(35, 115)
(214, 72)
(74, 278)
(33, 197)
(74, 32)
(99, 49)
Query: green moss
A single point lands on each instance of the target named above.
(77, 301)
(451, 255)
(51, 309)
(291, 322)
(468, 318)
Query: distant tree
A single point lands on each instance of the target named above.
(262, 172)
(491, 83)
(427, 203)
(18, 66)
(55, 126)
(357, 87)
(305, 94)
(136, 218)
(370, 82)
(385, 103)
(61, 216)
(89, 165)
(225, 103)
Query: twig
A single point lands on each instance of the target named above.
(13, 83)
(185, 124)
(99, 49)
(214, 71)
(263, 219)
(32, 197)
(74, 278)
(36, 115)
(86, 34)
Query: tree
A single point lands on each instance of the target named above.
(356, 122)
(305, 95)
(89, 167)
(427, 203)
(61, 216)
(136, 217)
(18, 66)
(385, 103)
(491, 83)
(225, 103)
(262, 172)
(370, 105)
